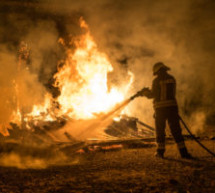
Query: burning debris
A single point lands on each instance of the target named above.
(82, 81)
(125, 126)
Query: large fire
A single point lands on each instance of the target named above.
(83, 84)
(83, 81)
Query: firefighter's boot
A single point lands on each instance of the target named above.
(160, 153)
(184, 153)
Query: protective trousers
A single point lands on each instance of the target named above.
(169, 114)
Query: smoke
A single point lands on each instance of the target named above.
(39, 158)
(134, 34)
(22, 162)
(7, 72)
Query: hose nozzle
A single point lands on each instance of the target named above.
(141, 92)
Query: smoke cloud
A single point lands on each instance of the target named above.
(134, 34)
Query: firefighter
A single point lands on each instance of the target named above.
(166, 109)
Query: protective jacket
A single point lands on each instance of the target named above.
(163, 91)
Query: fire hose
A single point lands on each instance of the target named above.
(188, 130)
(141, 93)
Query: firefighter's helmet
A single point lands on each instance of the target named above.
(159, 65)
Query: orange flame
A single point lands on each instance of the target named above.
(41, 112)
(83, 80)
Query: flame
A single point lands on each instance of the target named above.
(83, 84)
(42, 112)
(83, 80)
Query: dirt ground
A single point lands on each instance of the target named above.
(125, 170)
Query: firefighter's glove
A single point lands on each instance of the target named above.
(144, 92)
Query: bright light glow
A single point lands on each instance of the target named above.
(83, 80)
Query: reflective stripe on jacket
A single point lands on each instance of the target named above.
(164, 90)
